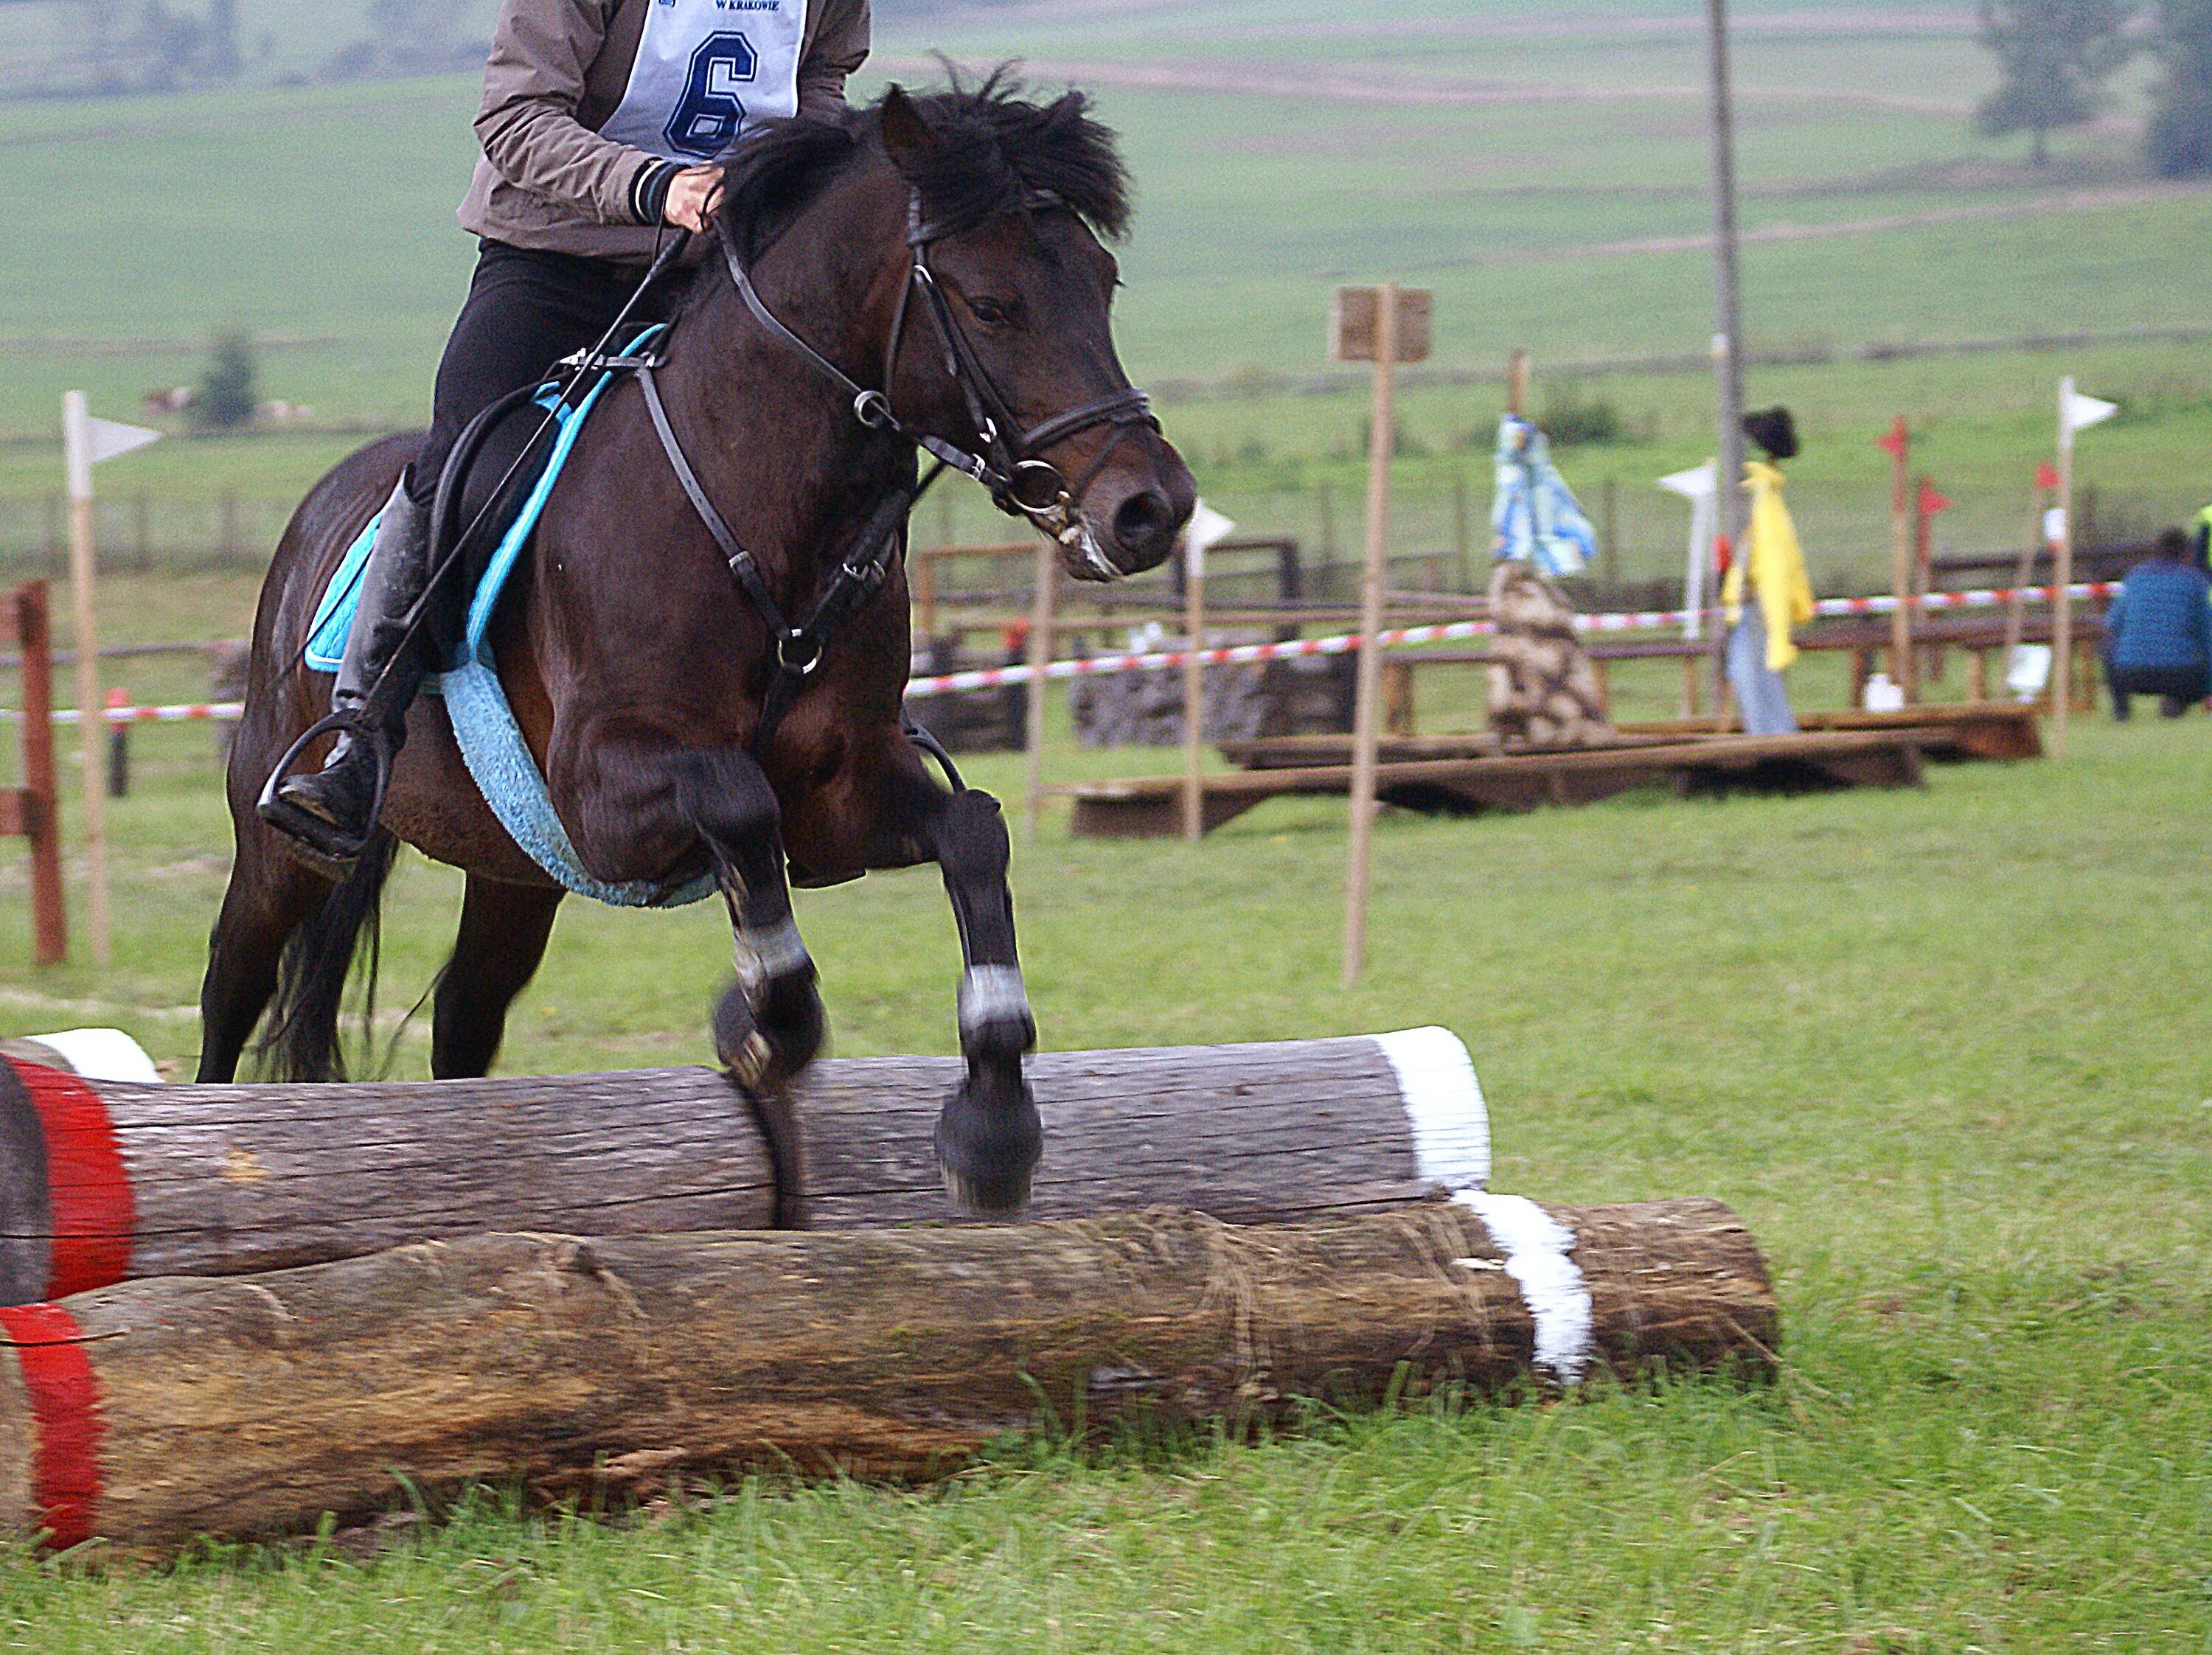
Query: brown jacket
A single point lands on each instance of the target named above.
(557, 71)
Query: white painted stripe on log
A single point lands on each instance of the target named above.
(1443, 1104)
(1537, 1246)
(100, 1054)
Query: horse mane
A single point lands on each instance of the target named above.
(996, 147)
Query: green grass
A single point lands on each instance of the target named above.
(1945, 1051)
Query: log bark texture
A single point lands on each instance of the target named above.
(154, 1411)
(101, 1182)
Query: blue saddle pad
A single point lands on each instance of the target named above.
(491, 742)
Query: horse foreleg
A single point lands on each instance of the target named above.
(503, 932)
(270, 897)
(769, 1023)
(988, 1137)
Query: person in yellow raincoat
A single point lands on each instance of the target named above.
(1771, 567)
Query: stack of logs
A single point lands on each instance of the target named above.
(258, 1306)
(1544, 693)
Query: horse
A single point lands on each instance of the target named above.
(927, 275)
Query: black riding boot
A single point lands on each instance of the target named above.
(332, 811)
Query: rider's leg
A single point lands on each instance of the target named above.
(524, 311)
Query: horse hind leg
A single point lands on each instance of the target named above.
(769, 1024)
(503, 932)
(269, 897)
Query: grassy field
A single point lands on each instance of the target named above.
(1540, 173)
(1945, 1050)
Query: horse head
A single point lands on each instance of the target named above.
(989, 311)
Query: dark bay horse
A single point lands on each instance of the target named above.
(637, 663)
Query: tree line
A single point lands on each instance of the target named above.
(2055, 57)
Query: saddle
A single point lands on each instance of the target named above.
(490, 741)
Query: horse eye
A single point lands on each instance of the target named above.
(990, 313)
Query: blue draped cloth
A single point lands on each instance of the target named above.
(1534, 518)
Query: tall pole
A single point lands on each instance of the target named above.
(1900, 561)
(1193, 691)
(2062, 605)
(92, 726)
(1380, 428)
(1040, 657)
(1728, 364)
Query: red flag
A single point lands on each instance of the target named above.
(2046, 475)
(1932, 499)
(1894, 439)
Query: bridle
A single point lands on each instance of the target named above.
(1021, 482)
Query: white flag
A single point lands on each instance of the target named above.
(1205, 529)
(86, 441)
(2083, 411)
(1696, 483)
(111, 437)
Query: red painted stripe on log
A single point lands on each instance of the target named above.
(93, 1212)
(65, 1399)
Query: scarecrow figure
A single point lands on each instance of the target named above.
(1771, 568)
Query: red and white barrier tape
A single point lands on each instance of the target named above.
(1236, 654)
(1401, 636)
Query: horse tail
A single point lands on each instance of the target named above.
(303, 1042)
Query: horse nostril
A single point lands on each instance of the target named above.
(1141, 524)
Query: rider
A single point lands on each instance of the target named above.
(600, 125)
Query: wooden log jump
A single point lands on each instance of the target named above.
(102, 1182)
(154, 1411)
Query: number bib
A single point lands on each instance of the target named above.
(707, 68)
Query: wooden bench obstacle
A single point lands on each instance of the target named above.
(2000, 730)
(155, 1411)
(1150, 806)
(102, 1181)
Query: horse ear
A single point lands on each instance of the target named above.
(906, 135)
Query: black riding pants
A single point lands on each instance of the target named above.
(525, 312)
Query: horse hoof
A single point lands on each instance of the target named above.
(763, 1051)
(987, 1149)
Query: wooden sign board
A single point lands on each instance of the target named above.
(1352, 318)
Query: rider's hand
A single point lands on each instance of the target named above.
(694, 194)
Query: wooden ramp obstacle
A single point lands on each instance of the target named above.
(102, 1182)
(1964, 730)
(155, 1411)
(1150, 806)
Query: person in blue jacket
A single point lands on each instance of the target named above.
(2158, 633)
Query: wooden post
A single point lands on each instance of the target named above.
(2062, 576)
(1040, 657)
(42, 797)
(2038, 504)
(1609, 530)
(1730, 508)
(925, 595)
(1463, 530)
(1193, 691)
(1374, 324)
(76, 437)
(1898, 443)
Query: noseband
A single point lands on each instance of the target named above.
(1021, 481)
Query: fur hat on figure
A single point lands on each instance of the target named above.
(1773, 430)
